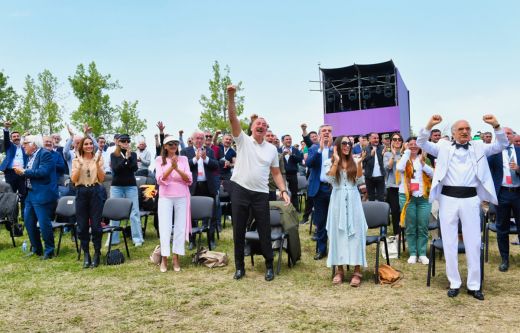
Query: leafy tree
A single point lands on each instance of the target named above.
(8, 98)
(50, 113)
(214, 107)
(90, 88)
(24, 120)
(129, 121)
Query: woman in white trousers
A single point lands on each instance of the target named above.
(174, 178)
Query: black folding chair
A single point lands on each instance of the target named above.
(277, 235)
(66, 209)
(202, 208)
(117, 209)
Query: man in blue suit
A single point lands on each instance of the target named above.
(291, 158)
(40, 181)
(202, 165)
(505, 172)
(14, 156)
(319, 190)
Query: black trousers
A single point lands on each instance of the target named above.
(89, 206)
(508, 202)
(245, 201)
(375, 188)
(17, 185)
(392, 197)
(292, 181)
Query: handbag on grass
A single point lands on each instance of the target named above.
(212, 258)
(388, 275)
(155, 257)
(115, 257)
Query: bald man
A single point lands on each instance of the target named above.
(461, 181)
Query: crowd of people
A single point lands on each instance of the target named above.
(418, 175)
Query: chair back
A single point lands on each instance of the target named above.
(140, 180)
(377, 213)
(275, 218)
(302, 183)
(117, 209)
(201, 207)
(66, 206)
(5, 188)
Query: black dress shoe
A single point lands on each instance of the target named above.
(240, 273)
(95, 261)
(319, 256)
(86, 260)
(453, 292)
(477, 294)
(504, 266)
(269, 274)
(47, 256)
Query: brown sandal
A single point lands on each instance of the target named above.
(338, 278)
(356, 280)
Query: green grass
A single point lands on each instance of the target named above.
(59, 295)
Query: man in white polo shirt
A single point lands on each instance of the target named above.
(256, 158)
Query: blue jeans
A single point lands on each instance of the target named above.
(321, 209)
(129, 192)
(37, 212)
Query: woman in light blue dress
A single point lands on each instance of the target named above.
(346, 223)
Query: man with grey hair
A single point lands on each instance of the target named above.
(40, 181)
(462, 180)
(144, 157)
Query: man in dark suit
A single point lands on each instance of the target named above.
(202, 165)
(227, 157)
(40, 178)
(291, 158)
(506, 177)
(319, 189)
(373, 169)
(14, 157)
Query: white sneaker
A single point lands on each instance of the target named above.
(138, 244)
(412, 259)
(424, 260)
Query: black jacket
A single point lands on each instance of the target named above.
(369, 161)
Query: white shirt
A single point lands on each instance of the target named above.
(461, 170)
(418, 174)
(324, 157)
(377, 169)
(505, 164)
(18, 157)
(253, 163)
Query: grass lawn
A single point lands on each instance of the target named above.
(59, 295)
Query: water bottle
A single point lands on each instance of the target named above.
(24, 246)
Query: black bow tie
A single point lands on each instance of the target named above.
(460, 145)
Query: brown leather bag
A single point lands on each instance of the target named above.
(388, 275)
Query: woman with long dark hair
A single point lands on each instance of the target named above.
(88, 175)
(346, 224)
(174, 177)
(390, 159)
(124, 164)
(414, 191)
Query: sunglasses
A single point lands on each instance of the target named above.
(397, 139)
(209, 136)
(124, 141)
(346, 143)
(171, 144)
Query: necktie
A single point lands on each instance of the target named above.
(460, 145)
(514, 176)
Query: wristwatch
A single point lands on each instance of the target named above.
(282, 191)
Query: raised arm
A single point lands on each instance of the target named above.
(501, 141)
(232, 112)
(424, 134)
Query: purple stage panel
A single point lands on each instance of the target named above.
(404, 105)
(380, 120)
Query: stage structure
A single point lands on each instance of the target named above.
(359, 99)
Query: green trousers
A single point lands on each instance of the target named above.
(416, 223)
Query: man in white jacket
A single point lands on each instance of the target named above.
(461, 181)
